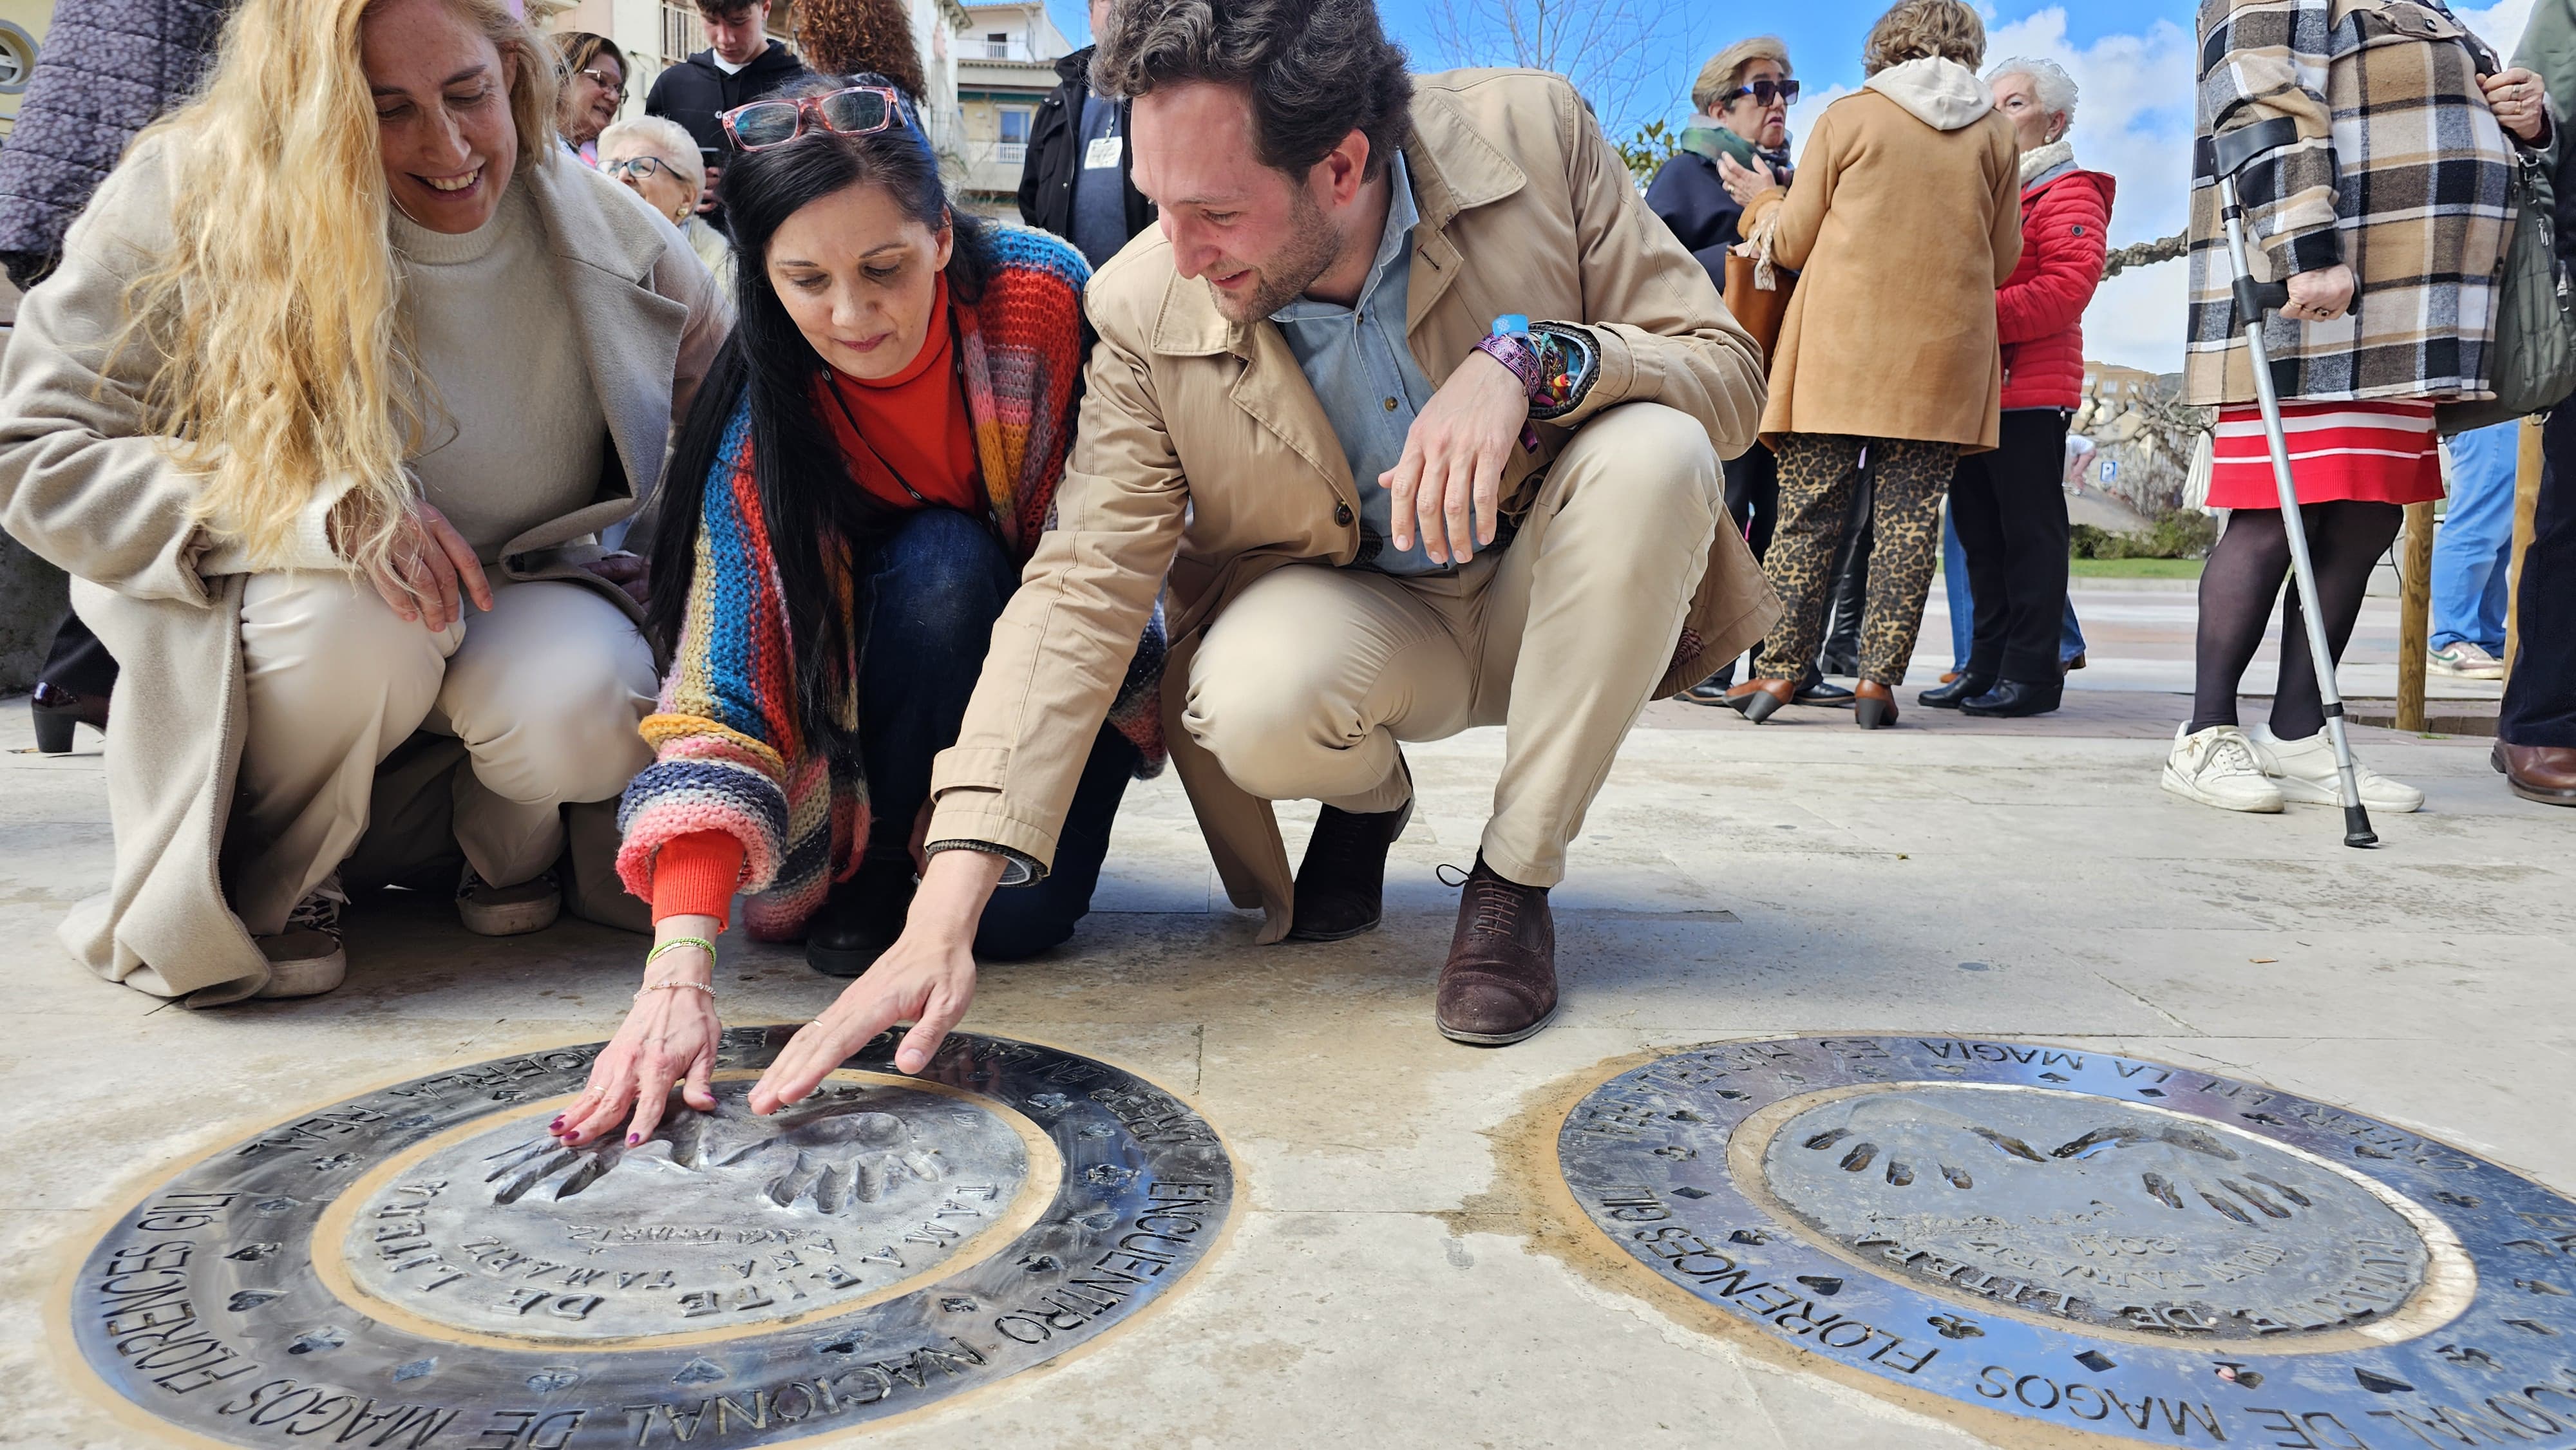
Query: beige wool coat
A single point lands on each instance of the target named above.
(84, 485)
(1203, 451)
(1900, 233)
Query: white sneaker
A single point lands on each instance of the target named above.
(306, 960)
(2216, 767)
(489, 910)
(2464, 660)
(2305, 772)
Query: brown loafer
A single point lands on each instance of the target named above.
(1500, 982)
(2543, 773)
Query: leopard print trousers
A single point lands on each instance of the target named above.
(1817, 475)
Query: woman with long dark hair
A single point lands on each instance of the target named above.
(870, 463)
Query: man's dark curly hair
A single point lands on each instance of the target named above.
(1317, 69)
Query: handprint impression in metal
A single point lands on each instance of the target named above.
(2094, 1209)
(827, 1155)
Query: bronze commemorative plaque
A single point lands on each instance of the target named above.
(2102, 1242)
(423, 1266)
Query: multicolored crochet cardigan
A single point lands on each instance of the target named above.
(730, 752)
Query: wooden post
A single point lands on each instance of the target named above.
(2414, 615)
(2526, 515)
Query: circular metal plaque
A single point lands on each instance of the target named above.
(423, 1266)
(2105, 1243)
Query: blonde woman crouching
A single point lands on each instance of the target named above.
(343, 372)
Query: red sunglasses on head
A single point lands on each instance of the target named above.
(854, 111)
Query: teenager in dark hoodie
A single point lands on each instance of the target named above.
(741, 64)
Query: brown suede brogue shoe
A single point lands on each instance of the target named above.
(2543, 773)
(1341, 885)
(1500, 982)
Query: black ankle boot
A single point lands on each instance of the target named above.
(860, 919)
(1954, 694)
(2010, 699)
(1341, 885)
(56, 710)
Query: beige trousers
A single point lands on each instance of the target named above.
(1306, 683)
(544, 692)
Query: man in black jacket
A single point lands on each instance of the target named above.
(741, 64)
(1074, 180)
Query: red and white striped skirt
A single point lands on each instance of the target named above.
(2382, 452)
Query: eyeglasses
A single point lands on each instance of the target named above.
(1765, 92)
(641, 167)
(615, 87)
(855, 111)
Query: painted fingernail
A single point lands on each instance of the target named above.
(634, 1138)
(558, 1122)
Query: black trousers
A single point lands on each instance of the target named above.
(2540, 702)
(78, 662)
(2010, 510)
(1753, 496)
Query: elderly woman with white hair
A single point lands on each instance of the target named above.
(2009, 506)
(658, 160)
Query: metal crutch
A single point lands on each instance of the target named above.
(2231, 152)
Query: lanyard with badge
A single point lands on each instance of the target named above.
(1103, 152)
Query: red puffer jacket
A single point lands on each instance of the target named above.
(2039, 311)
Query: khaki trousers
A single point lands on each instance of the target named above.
(544, 692)
(1305, 684)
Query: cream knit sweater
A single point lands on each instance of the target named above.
(515, 427)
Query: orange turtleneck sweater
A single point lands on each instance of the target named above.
(912, 428)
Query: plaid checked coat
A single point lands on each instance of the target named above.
(2400, 170)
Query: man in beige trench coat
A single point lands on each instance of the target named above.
(1289, 411)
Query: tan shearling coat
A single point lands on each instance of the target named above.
(1900, 234)
(84, 485)
(1204, 452)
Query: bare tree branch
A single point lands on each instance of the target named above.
(1607, 48)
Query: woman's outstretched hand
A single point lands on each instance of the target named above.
(927, 978)
(668, 1038)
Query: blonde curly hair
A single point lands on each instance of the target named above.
(1917, 29)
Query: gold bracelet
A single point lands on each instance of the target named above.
(700, 942)
(677, 987)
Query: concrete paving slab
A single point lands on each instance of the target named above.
(1392, 1278)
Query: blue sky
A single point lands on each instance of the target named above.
(2131, 59)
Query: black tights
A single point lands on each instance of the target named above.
(2243, 577)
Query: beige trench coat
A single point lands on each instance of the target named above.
(1203, 451)
(84, 486)
(1900, 234)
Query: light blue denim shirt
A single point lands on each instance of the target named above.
(1364, 375)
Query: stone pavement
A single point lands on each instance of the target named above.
(1391, 1280)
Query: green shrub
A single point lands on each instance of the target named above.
(2182, 534)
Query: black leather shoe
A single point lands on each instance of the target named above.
(860, 919)
(1711, 691)
(2010, 699)
(1824, 692)
(1954, 694)
(1341, 885)
(56, 710)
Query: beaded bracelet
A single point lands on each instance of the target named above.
(699, 942)
(676, 987)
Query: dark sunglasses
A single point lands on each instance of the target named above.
(1765, 92)
(856, 111)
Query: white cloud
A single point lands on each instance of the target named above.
(2499, 25)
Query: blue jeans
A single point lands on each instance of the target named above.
(933, 588)
(2475, 541)
(1963, 606)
